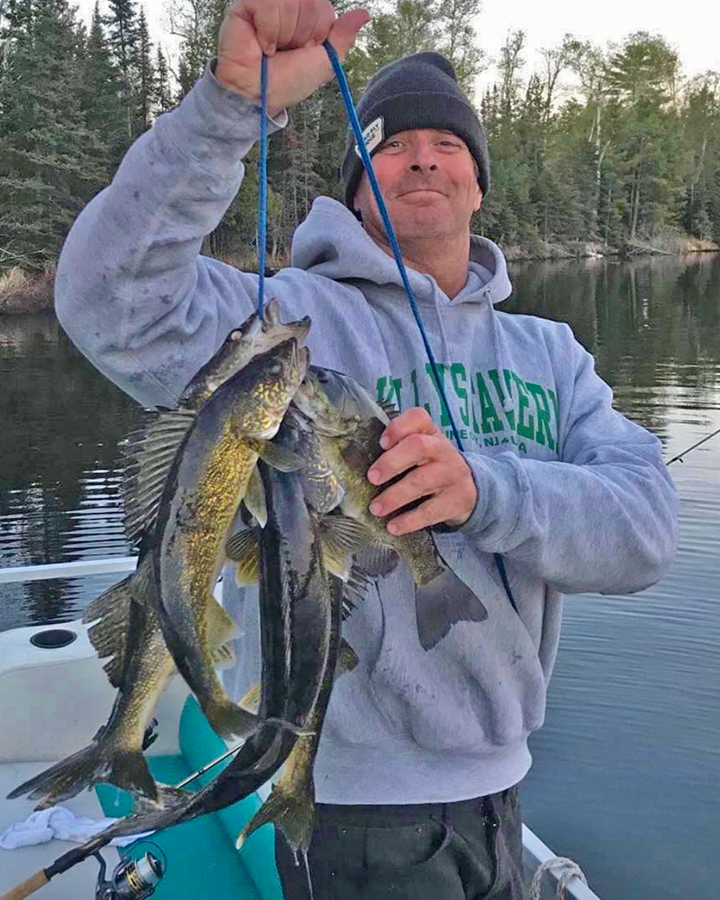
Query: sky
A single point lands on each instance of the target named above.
(694, 35)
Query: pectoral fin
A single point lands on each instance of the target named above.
(341, 538)
(275, 456)
(255, 498)
(347, 659)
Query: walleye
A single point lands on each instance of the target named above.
(300, 638)
(349, 424)
(207, 482)
(126, 627)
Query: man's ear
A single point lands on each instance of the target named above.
(478, 199)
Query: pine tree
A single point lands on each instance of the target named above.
(197, 23)
(49, 159)
(122, 29)
(145, 77)
(162, 96)
(101, 95)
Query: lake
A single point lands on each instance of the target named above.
(625, 775)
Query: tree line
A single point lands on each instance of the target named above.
(627, 157)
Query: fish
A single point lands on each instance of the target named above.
(207, 482)
(291, 804)
(300, 616)
(124, 625)
(349, 424)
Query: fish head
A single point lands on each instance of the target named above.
(267, 386)
(255, 336)
(335, 402)
(312, 400)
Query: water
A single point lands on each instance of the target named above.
(626, 767)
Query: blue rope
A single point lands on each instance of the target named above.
(262, 212)
(389, 230)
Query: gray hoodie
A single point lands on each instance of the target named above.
(571, 493)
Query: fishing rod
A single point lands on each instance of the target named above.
(680, 456)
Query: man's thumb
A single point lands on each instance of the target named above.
(346, 28)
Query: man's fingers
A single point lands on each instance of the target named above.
(346, 29)
(432, 512)
(413, 421)
(421, 482)
(324, 23)
(264, 18)
(414, 450)
(291, 14)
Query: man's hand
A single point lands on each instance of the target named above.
(291, 34)
(442, 475)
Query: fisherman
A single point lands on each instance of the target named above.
(422, 750)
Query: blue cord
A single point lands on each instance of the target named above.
(352, 116)
(262, 229)
(262, 212)
(389, 230)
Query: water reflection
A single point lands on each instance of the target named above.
(653, 325)
(59, 473)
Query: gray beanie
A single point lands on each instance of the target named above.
(419, 91)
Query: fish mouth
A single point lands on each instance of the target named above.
(300, 328)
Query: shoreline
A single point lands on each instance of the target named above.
(549, 250)
(25, 294)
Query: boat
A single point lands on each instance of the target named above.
(53, 697)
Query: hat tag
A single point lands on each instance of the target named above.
(373, 136)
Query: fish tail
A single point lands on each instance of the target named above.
(129, 770)
(293, 814)
(66, 778)
(84, 769)
(442, 603)
(229, 720)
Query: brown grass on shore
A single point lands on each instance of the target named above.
(21, 292)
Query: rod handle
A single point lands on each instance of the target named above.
(29, 886)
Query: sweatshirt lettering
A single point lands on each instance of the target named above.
(498, 407)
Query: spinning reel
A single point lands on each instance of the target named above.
(132, 879)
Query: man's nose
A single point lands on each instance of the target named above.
(422, 159)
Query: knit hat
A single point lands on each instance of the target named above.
(419, 91)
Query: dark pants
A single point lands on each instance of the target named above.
(446, 851)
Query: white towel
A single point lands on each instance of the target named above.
(59, 823)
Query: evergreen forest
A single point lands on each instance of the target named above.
(609, 146)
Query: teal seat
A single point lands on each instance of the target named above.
(201, 857)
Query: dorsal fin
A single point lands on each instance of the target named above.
(151, 450)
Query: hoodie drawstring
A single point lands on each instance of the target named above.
(498, 352)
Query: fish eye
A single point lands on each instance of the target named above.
(236, 335)
(275, 368)
(322, 376)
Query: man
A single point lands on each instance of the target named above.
(422, 749)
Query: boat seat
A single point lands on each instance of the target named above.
(201, 857)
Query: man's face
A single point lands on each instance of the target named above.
(429, 183)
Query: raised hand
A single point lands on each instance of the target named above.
(291, 34)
